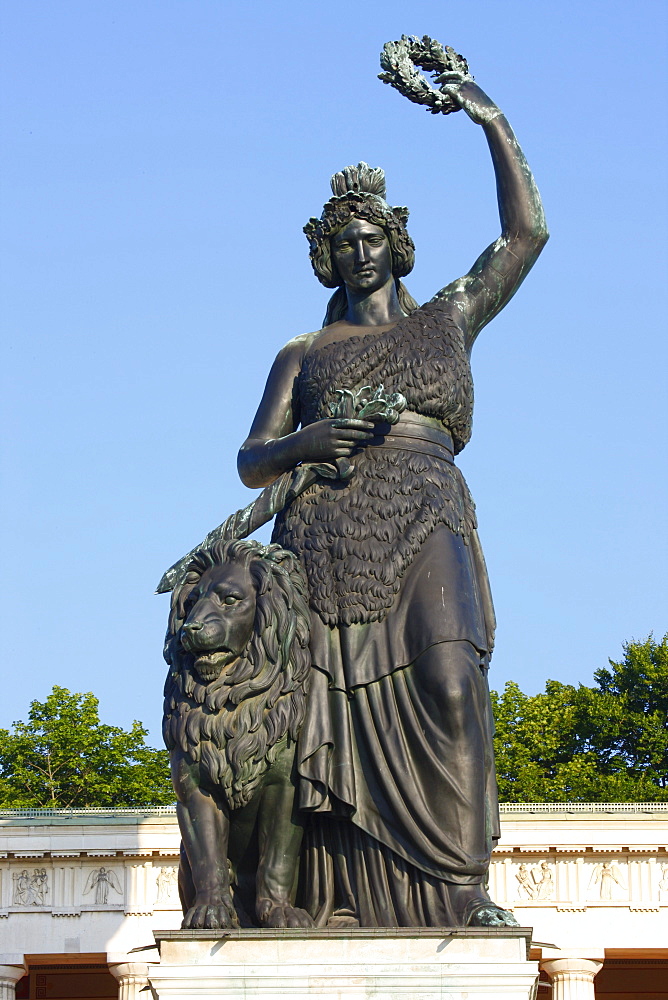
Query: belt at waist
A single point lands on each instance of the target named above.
(412, 435)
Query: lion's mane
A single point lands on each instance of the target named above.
(232, 725)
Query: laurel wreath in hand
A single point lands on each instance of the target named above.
(400, 60)
(377, 406)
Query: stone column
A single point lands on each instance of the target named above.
(132, 977)
(572, 978)
(9, 977)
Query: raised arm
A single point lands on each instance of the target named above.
(502, 267)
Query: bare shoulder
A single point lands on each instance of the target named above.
(295, 350)
(277, 413)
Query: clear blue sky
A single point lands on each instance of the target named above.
(161, 158)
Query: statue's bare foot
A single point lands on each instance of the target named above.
(282, 915)
(489, 915)
(210, 916)
(474, 908)
(343, 920)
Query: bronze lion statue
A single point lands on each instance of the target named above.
(235, 696)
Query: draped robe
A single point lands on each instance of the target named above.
(395, 569)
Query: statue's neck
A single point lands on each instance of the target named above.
(377, 308)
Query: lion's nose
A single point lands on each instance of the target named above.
(193, 626)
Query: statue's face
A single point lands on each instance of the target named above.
(362, 255)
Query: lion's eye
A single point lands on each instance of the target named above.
(231, 599)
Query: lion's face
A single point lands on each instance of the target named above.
(239, 664)
(220, 620)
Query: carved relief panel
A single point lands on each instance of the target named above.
(69, 885)
(167, 887)
(30, 887)
(535, 881)
(101, 883)
(663, 883)
(582, 881)
(607, 882)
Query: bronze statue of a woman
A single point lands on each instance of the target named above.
(354, 441)
(395, 760)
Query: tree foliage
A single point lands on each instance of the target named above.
(63, 757)
(607, 743)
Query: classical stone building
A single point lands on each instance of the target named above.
(81, 894)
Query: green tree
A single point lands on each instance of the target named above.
(63, 756)
(589, 744)
(638, 688)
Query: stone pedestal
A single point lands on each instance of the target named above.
(355, 964)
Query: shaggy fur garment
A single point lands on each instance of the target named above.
(423, 357)
(357, 539)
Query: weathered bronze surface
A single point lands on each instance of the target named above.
(237, 648)
(354, 442)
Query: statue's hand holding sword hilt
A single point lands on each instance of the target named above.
(456, 89)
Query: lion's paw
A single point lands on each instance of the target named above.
(282, 915)
(205, 916)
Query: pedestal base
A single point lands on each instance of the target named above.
(356, 964)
